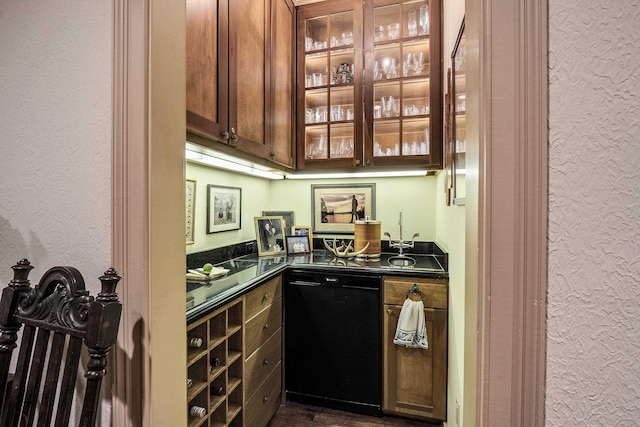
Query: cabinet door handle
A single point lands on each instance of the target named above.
(225, 135)
(265, 399)
(265, 297)
(265, 362)
(389, 311)
(266, 326)
(234, 136)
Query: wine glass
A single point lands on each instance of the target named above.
(424, 19)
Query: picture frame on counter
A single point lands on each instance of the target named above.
(190, 213)
(288, 217)
(303, 230)
(270, 235)
(336, 207)
(298, 245)
(224, 208)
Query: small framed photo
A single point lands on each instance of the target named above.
(224, 208)
(286, 215)
(302, 230)
(190, 210)
(298, 245)
(270, 235)
(335, 208)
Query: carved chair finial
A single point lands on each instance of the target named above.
(109, 281)
(21, 273)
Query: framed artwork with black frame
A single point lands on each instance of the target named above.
(335, 208)
(224, 208)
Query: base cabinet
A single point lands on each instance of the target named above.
(263, 353)
(234, 361)
(214, 368)
(415, 380)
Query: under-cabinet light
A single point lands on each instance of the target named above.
(211, 159)
(384, 174)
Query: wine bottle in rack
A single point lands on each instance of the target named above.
(195, 342)
(215, 362)
(217, 390)
(197, 411)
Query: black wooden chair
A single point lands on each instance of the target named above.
(58, 315)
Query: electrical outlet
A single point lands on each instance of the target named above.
(457, 413)
(250, 247)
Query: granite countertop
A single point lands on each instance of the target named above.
(248, 271)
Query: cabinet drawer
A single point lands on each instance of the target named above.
(263, 404)
(434, 292)
(262, 296)
(260, 363)
(262, 326)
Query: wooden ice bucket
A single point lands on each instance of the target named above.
(367, 231)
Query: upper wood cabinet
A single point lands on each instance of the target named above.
(240, 77)
(370, 85)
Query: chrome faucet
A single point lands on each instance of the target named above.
(401, 244)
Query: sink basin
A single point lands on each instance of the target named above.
(402, 261)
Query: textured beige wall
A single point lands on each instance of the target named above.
(55, 121)
(593, 357)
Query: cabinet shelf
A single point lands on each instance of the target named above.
(232, 412)
(216, 401)
(195, 388)
(196, 422)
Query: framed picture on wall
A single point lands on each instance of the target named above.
(224, 208)
(190, 205)
(335, 208)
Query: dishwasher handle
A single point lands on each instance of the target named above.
(304, 283)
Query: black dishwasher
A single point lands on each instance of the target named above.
(333, 340)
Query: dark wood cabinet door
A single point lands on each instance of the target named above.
(207, 68)
(415, 380)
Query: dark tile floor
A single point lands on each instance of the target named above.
(298, 415)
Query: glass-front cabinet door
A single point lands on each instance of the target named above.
(369, 84)
(330, 85)
(402, 84)
(459, 128)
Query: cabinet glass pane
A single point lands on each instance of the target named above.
(315, 144)
(415, 137)
(341, 104)
(386, 140)
(415, 18)
(316, 34)
(342, 141)
(415, 98)
(387, 23)
(316, 70)
(386, 103)
(341, 29)
(316, 106)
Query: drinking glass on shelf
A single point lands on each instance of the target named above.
(424, 19)
(378, 34)
(308, 80)
(393, 31)
(388, 106)
(377, 111)
(347, 38)
(418, 63)
(308, 43)
(317, 79)
(309, 115)
(412, 23)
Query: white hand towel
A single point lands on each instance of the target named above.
(411, 331)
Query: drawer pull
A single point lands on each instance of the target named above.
(265, 399)
(265, 297)
(266, 326)
(265, 362)
(389, 311)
